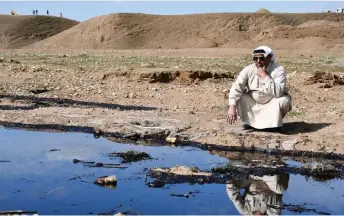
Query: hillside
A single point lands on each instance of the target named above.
(18, 31)
(137, 31)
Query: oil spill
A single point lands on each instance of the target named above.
(39, 175)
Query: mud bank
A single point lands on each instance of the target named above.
(166, 137)
(224, 174)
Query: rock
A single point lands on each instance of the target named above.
(131, 156)
(288, 145)
(39, 90)
(132, 95)
(76, 161)
(171, 139)
(37, 69)
(156, 184)
(97, 132)
(107, 181)
(147, 65)
(15, 61)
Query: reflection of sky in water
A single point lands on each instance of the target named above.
(34, 171)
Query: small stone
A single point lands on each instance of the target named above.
(147, 65)
(171, 139)
(132, 95)
(176, 107)
(106, 180)
(156, 184)
(97, 131)
(288, 145)
(76, 161)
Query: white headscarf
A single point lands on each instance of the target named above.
(267, 51)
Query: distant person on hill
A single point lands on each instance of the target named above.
(33, 11)
(36, 12)
(47, 12)
(60, 14)
(259, 95)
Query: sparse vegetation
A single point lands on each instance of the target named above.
(295, 114)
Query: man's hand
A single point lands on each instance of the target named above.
(262, 72)
(232, 115)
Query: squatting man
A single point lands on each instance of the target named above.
(259, 95)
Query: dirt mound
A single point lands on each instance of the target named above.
(139, 31)
(19, 31)
(166, 75)
(315, 23)
(329, 79)
(291, 32)
(263, 10)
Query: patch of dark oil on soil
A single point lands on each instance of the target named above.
(36, 178)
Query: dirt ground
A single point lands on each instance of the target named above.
(306, 31)
(19, 31)
(176, 94)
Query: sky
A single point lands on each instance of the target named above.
(83, 10)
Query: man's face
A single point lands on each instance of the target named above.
(261, 61)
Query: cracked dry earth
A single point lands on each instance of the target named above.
(142, 93)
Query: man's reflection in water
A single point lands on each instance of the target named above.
(262, 195)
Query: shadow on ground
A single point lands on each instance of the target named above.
(9, 107)
(47, 127)
(63, 102)
(293, 128)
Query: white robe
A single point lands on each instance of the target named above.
(263, 194)
(261, 102)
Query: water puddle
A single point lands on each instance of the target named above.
(38, 173)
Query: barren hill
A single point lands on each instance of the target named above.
(18, 31)
(136, 31)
